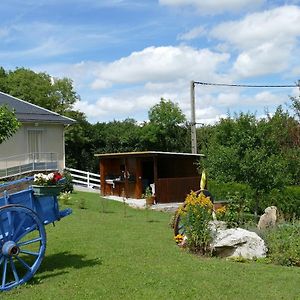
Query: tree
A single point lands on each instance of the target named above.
(41, 89)
(8, 123)
(166, 129)
(246, 150)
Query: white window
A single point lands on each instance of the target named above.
(35, 143)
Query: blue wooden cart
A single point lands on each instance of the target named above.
(23, 215)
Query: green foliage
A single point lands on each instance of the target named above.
(222, 191)
(39, 88)
(235, 212)
(264, 154)
(68, 186)
(166, 130)
(8, 123)
(283, 243)
(287, 201)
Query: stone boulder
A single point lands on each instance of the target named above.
(268, 219)
(238, 242)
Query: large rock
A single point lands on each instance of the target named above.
(238, 242)
(268, 219)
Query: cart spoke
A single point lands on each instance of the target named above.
(14, 270)
(2, 231)
(29, 252)
(18, 229)
(4, 273)
(30, 242)
(11, 224)
(1, 259)
(23, 263)
(29, 229)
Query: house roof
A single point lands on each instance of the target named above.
(28, 112)
(147, 153)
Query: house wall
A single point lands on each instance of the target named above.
(52, 140)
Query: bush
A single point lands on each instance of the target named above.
(287, 201)
(283, 243)
(68, 185)
(236, 212)
(195, 219)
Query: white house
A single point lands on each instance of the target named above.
(38, 144)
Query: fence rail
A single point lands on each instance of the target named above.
(28, 162)
(83, 178)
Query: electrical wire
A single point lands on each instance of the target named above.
(246, 85)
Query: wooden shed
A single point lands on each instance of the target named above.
(170, 175)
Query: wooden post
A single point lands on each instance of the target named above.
(126, 178)
(102, 176)
(138, 180)
(193, 119)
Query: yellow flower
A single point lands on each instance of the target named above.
(221, 210)
(178, 238)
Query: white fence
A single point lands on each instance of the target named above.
(85, 179)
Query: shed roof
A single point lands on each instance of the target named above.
(147, 153)
(28, 112)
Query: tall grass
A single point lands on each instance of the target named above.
(100, 253)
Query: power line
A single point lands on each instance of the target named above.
(246, 85)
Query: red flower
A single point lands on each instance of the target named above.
(57, 176)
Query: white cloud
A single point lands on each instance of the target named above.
(268, 58)
(162, 64)
(213, 6)
(208, 115)
(192, 34)
(266, 40)
(279, 26)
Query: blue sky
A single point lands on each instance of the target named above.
(124, 55)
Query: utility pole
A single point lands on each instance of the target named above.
(193, 119)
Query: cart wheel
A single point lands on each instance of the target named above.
(178, 224)
(22, 245)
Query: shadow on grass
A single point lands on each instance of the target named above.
(64, 260)
(58, 263)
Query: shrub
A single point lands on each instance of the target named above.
(236, 212)
(283, 243)
(195, 218)
(287, 201)
(68, 185)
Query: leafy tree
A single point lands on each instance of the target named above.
(8, 123)
(296, 105)
(166, 129)
(117, 136)
(41, 89)
(79, 143)
(246, 150)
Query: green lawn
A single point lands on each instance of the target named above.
(105, 255)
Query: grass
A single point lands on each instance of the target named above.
(111, 255)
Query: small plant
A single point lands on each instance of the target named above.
(234, 213)
(65, 198)
(82, 204)
(148, 196)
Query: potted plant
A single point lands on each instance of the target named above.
(148, 196)
(47, 184)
